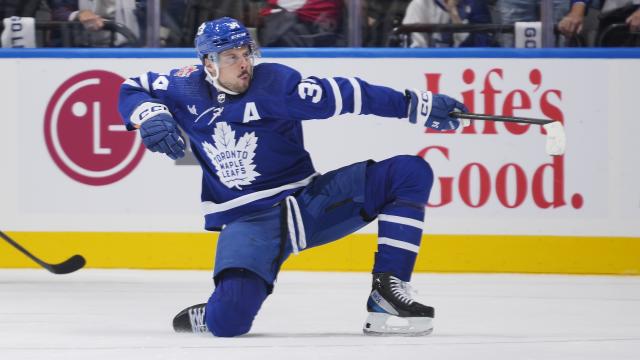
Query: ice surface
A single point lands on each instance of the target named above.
(126, 314)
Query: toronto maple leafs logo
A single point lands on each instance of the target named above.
(233, 160)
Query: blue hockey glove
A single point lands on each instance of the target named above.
(160, 134)
(433, 110)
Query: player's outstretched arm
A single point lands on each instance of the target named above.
(433, 110)
(140, 109)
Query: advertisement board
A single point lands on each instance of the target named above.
(69, 165)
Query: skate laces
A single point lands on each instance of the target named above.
(401, 290)
(196, 318)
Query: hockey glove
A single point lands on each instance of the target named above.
(160, 134)
(433, 110)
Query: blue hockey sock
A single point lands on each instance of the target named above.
(399, 236)
(235, 302)
(397, 190)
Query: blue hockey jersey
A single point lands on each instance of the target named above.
(250, 146)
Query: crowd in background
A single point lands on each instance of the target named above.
(326, 23)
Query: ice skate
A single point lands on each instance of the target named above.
(392, 311)
(191, 319)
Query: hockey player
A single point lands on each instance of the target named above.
(259, 187)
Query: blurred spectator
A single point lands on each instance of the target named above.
(301, 23)
(172, 13)
(21, 8)
(382, 16)
(631, 6)
(449, 12)
(512, 11)
(572, 23)
(195, 12)
(613, 15)
(93, 13)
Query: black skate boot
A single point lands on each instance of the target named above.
(191, 319)
(392, 311)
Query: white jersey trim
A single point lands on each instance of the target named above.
(337, 95)
(146, 111)
(401, 220)
(357, 96)
(398, 244)
(144, 81)
(132, 83)
(209, 207)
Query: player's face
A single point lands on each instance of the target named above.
(236, 68)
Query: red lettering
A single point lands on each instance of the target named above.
(446, 183)
(489, 93)
(464, 185)
(475, 184)
(510, 105)
(521, 185)
(548, 109)
(468, 98)
(433, 82)
(535, 76)
(557, 168)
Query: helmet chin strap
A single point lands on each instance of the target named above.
(214, 80)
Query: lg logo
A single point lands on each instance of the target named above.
(84, 133)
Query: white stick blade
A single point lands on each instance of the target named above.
(556, 138)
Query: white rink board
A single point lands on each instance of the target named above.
(597, 193)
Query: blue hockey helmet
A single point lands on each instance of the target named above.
(222, 34)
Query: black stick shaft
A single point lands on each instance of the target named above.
(513, 119)
(70, 265)
(20, 248)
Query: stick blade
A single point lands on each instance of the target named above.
(556, 138)
(70, 265)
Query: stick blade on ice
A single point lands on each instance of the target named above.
(70, 265)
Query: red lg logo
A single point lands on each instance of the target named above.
(84, 132)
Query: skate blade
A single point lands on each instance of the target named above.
(380, 324)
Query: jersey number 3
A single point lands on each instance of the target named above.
(309, 88)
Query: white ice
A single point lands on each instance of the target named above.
(126, 314)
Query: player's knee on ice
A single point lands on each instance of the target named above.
(235, 302)
(411, 178)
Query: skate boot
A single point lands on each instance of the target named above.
(191, 319)
(392, 311)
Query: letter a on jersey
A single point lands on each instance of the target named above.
(250, 112)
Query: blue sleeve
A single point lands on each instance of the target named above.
(322, 98)
(142, 97)
(62, 9)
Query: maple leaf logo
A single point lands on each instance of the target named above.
(233, 160)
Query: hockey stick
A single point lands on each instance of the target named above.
(556, 138)
(68, 266)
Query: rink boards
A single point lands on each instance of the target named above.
(74, 182)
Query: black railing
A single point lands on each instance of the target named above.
(402, 32)
(73, 34)
(618, 35)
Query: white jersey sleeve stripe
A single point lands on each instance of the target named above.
(337, 95)
(209, 207)
(398, 244)
(357, 96)
(132, 83)
(401, 220)
(144, 81)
